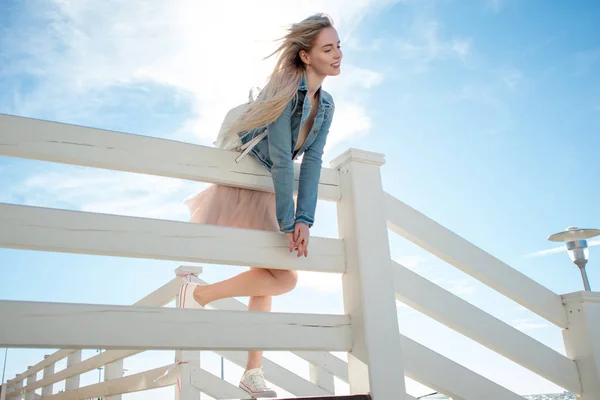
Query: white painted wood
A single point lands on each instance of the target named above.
(188, 360)
(37, 228)
(72, 382)
(187, 388)
(77, 145)
(582, 339)
(160, 297)
(17, 391)
(133, 383)
(324, 360)
(188, 271)
(445, 376)
(113, 370)
(215, 387)
(327, 362)
(463, 317)
(279, 375)
(52, 359)
(74, 370)
(368, 283)
(31, 379)
(448, 246)
(322, 378)
(48, 371)
(153, 328)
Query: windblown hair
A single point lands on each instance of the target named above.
(285, 79)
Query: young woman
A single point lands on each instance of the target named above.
(297, 115)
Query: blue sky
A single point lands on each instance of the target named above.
(488, 113)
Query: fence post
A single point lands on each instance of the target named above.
(113, 370)
(48, 371)
(31, 379)
(375, 363)
(72, 383)
(582, 339)
(320, 377)
(189, 359)
(18, 386)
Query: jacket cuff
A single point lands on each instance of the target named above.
(305, 218)
(287, 226)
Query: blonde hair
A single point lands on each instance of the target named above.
(285, 79)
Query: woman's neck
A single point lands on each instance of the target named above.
(313, 82)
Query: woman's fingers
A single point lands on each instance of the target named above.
(296, 232)
(302, 244)
(290, 238)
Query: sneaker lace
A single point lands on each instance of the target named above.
(258, 381)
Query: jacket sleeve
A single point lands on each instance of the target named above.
(310, 174)
(280, 151)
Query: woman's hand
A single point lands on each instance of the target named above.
(299, 239)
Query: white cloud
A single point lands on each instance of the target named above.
(202, 49)
(423, 44)
(109, 192)
(462, 47)
(320, 281)
(494, 5)
(511, 77)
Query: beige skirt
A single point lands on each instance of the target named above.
(235, 207)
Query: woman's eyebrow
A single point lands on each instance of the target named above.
(330, 44)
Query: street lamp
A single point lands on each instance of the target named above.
(575, 241)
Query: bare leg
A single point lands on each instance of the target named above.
(259, 284)
(257, 303)
(256, 282)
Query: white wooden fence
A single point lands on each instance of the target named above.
(378, 355)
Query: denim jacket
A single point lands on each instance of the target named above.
(276, 153)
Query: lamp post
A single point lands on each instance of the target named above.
(576, 243)
(3, 393)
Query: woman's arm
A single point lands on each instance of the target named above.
(310, 174)
(280, 151)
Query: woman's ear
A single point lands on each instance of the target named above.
(304, 57)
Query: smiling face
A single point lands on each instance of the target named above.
(325, 57)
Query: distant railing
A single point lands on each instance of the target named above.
(371, 283)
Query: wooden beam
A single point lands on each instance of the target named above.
(444, 375)
(215, 387)
(160, 297)
(78, 145)
(153, 328)
(52, 359)
(448, 246)
(326, 360)
(82, 367)
(471, 321)
(133, 383)
(45, 229)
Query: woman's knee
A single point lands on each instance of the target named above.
(286, 279)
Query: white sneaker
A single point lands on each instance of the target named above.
(186, 296)
(254, 383)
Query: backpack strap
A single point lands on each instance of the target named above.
(247, 147)
(250, 145)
